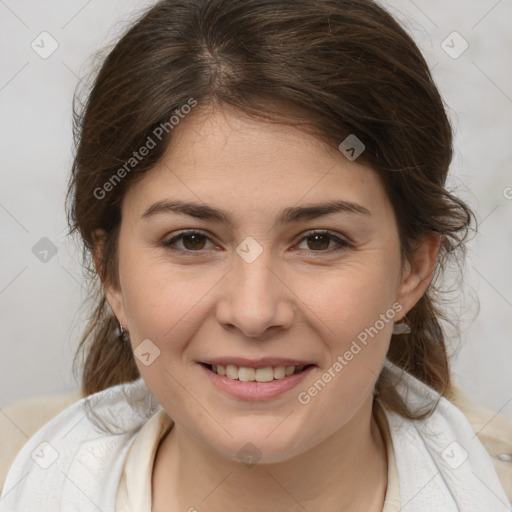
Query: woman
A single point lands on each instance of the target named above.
(260, 186)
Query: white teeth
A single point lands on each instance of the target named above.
(231, 372)
(279, 372)
(290, 370)
(245, 374)
(264, 374)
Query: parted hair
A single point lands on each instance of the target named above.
(340, 67)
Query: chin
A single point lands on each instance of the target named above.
(262, 443)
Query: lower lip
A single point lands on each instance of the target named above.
(256, 390)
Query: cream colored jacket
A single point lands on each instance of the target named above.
(20, 420)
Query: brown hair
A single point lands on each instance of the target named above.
(343, 66)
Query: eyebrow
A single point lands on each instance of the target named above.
(288, 215)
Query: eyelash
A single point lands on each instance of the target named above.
(342, 244)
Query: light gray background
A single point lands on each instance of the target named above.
(40, 315)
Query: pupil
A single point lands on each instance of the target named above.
(316, 237)
(193, 245)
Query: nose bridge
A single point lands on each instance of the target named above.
(256, 299)
(253, 278)
(251, 262)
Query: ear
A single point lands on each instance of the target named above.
(419, 272)
(112, 292)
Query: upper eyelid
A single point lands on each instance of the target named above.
(190, 232)
(311, 232)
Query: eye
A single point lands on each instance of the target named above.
(321, 240)
(193, 241)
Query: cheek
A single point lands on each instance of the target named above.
(160, 307)
(165, 302)
(353, 315)
(354, 319)
(346, 301)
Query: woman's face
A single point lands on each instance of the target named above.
(254, 287)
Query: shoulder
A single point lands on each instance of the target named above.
(77, 457)
(493, 430)
(444, 456)
(21, 419)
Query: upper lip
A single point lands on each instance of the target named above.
(257, 363)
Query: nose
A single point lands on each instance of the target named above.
(257, 299)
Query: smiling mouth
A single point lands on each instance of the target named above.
(246, 374)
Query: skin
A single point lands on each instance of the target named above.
(300, 298)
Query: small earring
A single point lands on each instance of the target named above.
(401, 328)
(121, 333)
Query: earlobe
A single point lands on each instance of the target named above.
(420, 271)
(116, 304)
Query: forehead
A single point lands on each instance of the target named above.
(226, 159)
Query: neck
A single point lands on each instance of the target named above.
(347, 471)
